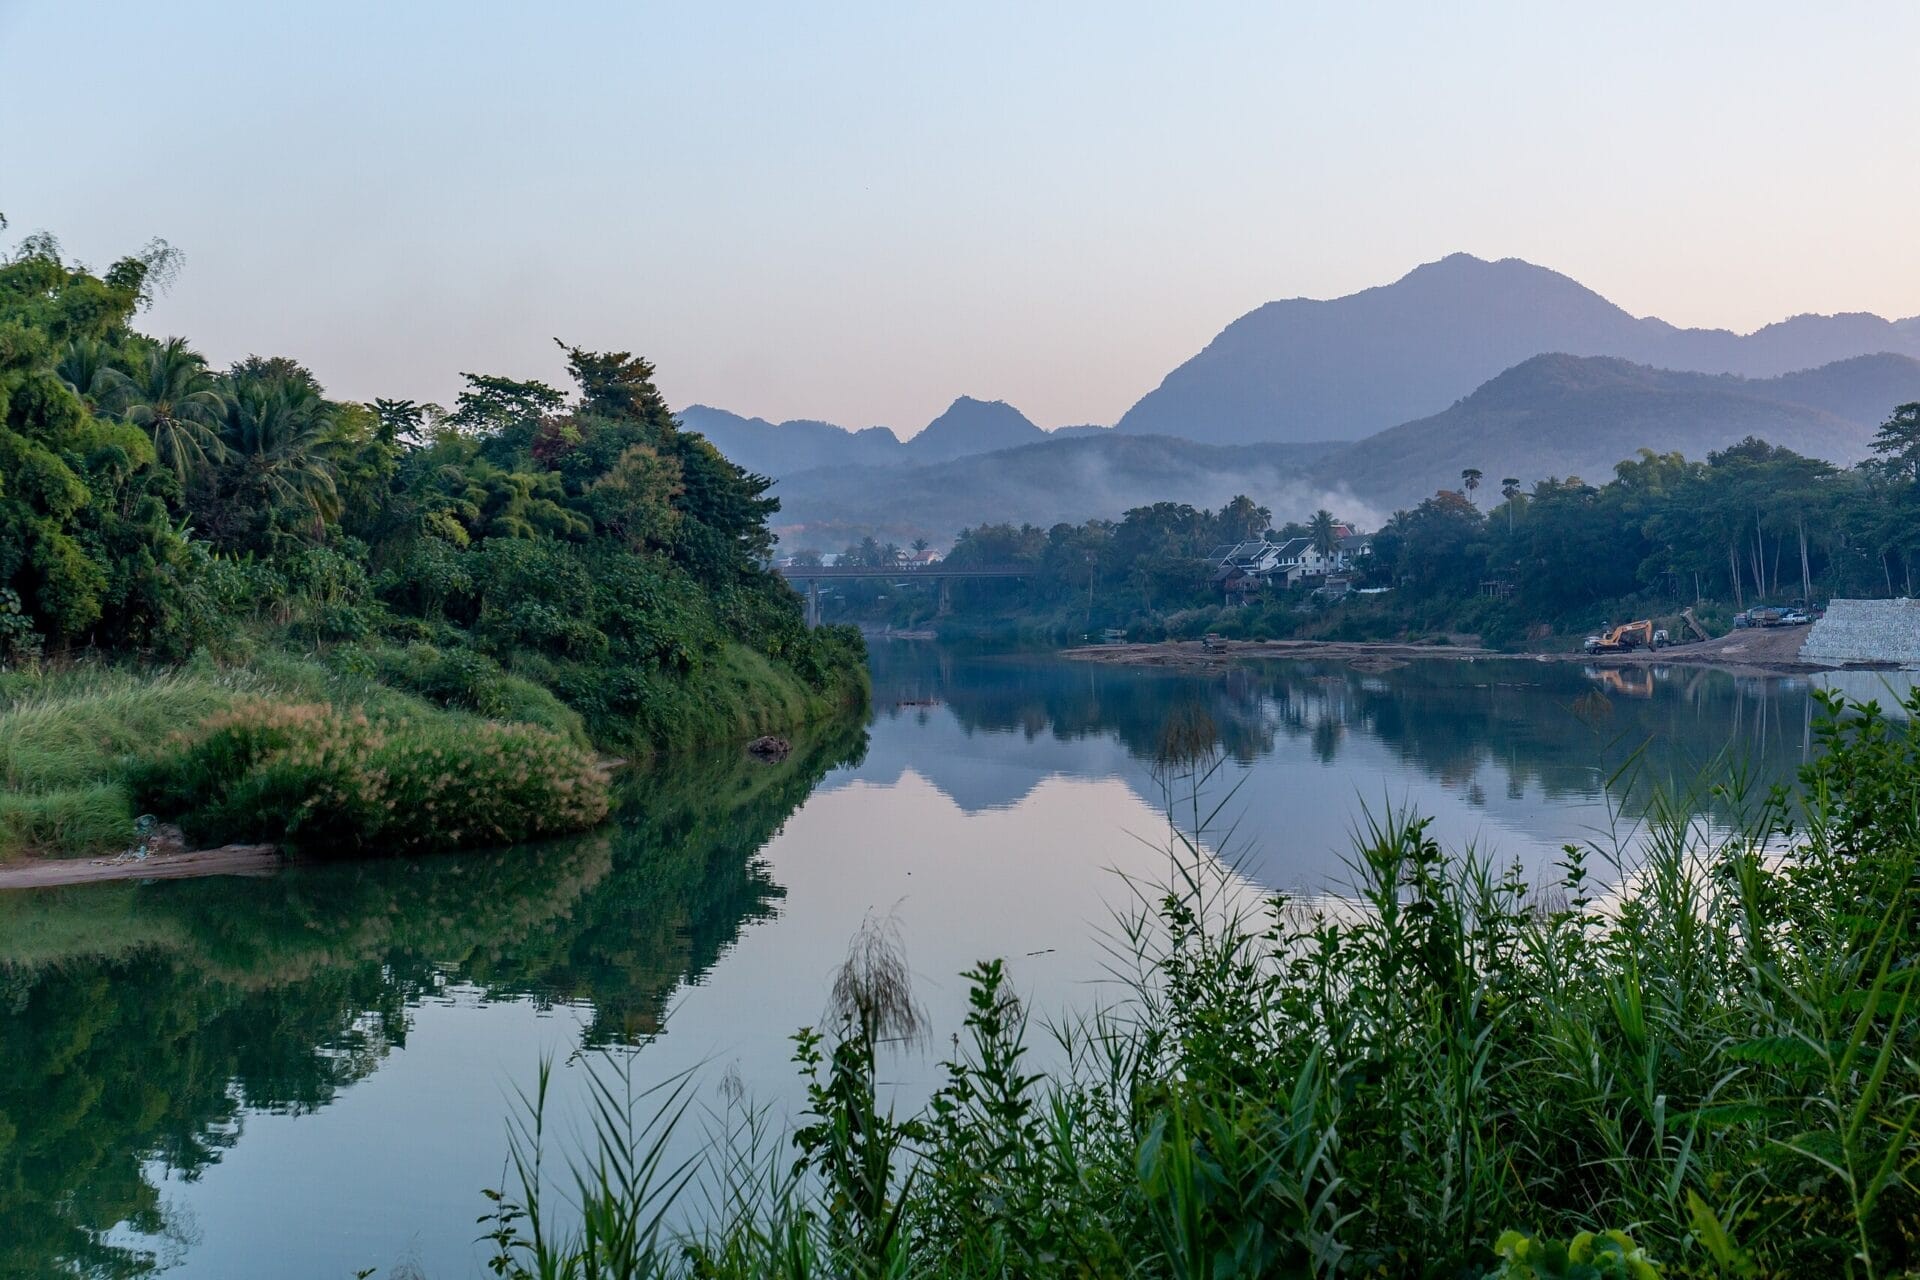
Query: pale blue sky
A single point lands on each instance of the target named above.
(857, 212)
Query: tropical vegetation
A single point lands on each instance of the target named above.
(572, 563)
(1750, 524)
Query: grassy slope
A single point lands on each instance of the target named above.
(69, 738)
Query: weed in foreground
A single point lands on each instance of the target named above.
(1711, 1070)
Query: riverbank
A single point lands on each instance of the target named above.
(362, 750)
(228, 860)
(1756, 651)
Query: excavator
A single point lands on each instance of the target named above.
(1626, 636)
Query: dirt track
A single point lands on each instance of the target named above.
(1758, 651)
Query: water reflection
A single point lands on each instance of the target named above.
(154, 1032)
(141, 1024)
(1535, 753)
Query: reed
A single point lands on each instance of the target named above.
(1708, 1068)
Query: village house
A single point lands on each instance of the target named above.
(1245, 567)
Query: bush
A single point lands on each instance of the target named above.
(325, 781)
(464, 680)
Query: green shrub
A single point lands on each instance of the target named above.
(74, 821)
(462, 679)
(325, 781)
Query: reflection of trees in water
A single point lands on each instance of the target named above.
(128, 1045)
(1549, 726)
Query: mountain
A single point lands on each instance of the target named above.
(1551, 415)
(1073, 478)
(784, 448)
(1304, 369)
(972, 426)
(778, 448)
(1561, 415)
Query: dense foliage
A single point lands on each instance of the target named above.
(1710, 1068)
(527, 540)
(1751, 524)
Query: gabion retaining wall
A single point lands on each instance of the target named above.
(1866, 631)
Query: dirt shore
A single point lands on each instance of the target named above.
(1757, 651)
(228, 860)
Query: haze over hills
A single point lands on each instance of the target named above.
(1561, 415)
(782, 448)
(1552, 415)
(1073, 478)
(1305, 369)
(1505, 366)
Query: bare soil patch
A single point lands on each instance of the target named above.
(1752, 651)
(228, 860)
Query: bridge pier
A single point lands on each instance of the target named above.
(813, 603)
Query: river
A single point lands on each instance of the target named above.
(310, 1074)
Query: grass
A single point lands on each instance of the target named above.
(1711, 1068)
(78, 744)
(317, 778)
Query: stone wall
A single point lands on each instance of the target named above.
(1866, 631)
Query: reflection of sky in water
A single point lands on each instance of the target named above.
(1517, 758)
(997, 820)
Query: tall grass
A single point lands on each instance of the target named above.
(1711, 1068)
(85, 748)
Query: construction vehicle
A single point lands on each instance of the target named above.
(1625, 637)
(1693, 624)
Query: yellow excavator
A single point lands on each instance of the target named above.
(1626, 636)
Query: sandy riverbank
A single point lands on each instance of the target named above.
(228, 860)
(1758, 651)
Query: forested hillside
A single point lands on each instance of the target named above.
(571, 561)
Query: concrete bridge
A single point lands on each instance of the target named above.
(813, 575)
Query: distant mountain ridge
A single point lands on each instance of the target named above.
(1560, 415)
(1550, 415)
(1305, 369)
(782, 448)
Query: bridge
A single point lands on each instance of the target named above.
(814, 574)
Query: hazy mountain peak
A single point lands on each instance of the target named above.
(1303, 369)
(973, 426)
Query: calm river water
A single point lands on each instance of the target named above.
(310, 1074)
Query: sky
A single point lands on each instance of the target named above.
(856, 212)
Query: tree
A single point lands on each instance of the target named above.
(170, 395)
(1470, 480)
(275, 472)
(86, 540)
(404, 419)
(1241, 520)
(492, 405)
(1898, 444)
(1323, 530)
(1510, 491)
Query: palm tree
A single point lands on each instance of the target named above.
(171, 396)
(1322, 528)
(275, 432)
(1510, 490)
(1470, 480)
(85, 367)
